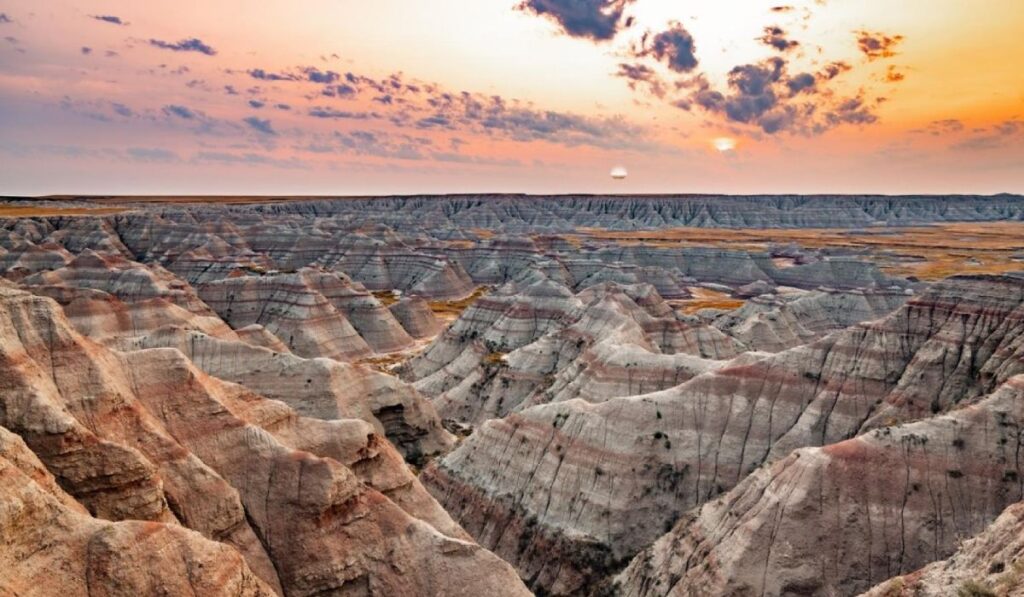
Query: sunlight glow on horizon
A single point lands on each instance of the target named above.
(91, 106)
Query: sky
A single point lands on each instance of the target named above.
(350, 97)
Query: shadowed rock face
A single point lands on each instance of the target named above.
(595, 483)
(988, 562)
(848, 515)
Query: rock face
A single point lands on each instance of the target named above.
(258, 399)
(988, 564)
(416, 317)
(318, 388)
(570, 491)
(311, 505)
(830, 519)
(772, 323)
(533, 341)
(312, 312)
(52, 546)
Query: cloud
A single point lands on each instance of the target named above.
(86, 50)
(5, 19)
(262, 75)
(282, 106)
(317, 76)
(261, 125)
(149, 154)
(674, 46)
(851, 111)
(997, 136)
(180, 112)
(343, 90)
(597, 20)
(781, 8)
(257, 103)
(109, 19)
(640, 75)
(186, 45)
(230, 90)
(250, 159)
(122, 110)
(877, 45)
(775, 37)
(323, 112)
(765, 95)
(937, 128)
(892, 75)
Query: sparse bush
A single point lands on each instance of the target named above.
(973, 588)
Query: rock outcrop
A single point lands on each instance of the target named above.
(569, 491)
(311, 505)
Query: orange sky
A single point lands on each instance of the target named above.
(409, 96)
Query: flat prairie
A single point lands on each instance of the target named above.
(926, 252)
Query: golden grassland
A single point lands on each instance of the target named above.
(494, 358)
(386, 297)
(384, 363)
(928, 252)
(704, 298)
(450, 310)
(26, 211)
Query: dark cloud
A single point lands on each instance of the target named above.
(150, 154)
(593, 19)
(109, 19)
(4, 18)
(833, 70)
(642, 76)
(86, 50)
(282, 106)
(308, 73)
(261, 125)
(938, 128)
(766, 96)
(753, 91)
(122, 110)
(230, 90)
(851, 111)
(893, 76)
(256, 103)
(186, 45)
(781, 8)
(877, 45)
(317, 76)
(802, 82)
(180, 112)
(776, 38)
(262, 75)
(401, 146)
(343, 90)
(322, 112)
(674, 46)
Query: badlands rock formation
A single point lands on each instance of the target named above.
(311, 506)
(493, 395)
(570, 491)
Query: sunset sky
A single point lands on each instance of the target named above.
(427, 96)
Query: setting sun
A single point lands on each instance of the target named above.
(724, 144)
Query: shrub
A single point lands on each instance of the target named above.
(972, 588)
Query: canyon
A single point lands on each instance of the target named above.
(512, 395)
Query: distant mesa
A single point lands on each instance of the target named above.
(619, 173)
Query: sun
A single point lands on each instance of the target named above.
(724, 144)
